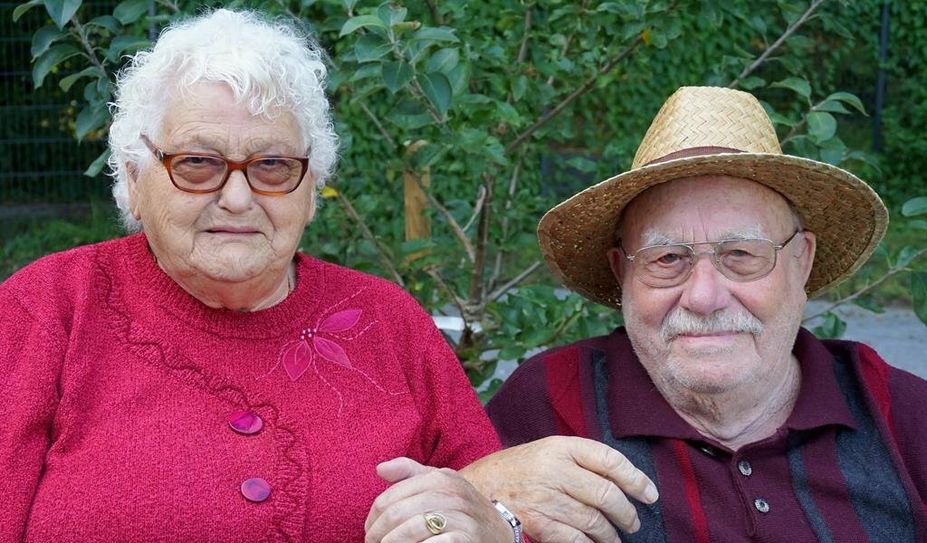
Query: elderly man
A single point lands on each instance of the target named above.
(751, 428)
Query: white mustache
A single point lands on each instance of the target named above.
(683, 322)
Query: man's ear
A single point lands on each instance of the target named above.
(132, 173)
(617, 261)
(805, 254)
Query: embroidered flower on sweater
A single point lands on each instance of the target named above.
(325, 341)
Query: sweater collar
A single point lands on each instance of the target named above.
(152, 289)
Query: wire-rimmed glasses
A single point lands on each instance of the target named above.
(741, 260)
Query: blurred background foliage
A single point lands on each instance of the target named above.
(463, 121)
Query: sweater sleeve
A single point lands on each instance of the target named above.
(456, 429)
(30, 360)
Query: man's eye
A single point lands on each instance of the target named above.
(669, 258)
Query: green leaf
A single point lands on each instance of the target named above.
(905, 256)
(519, 87)
(371, 47)
(361, 21)
(67, 82)
(914, 207)
(832, 327)
(444, 60)
(436, 33)
(507, 113)
(348, 5)
(130, 11)
(918, 224)
(125, 44)
(437, 89)
(61, 11)
(391, 14)
(833, 106)
(869, 305)
(106, 21)
(23, 8)
(796, 84)
(459, 78)
(43, 38)
(919, 295)
(752, 82)
(821, 126)
(365, 71)
(49, 59)
(90, 118)
(849, 99)
(98, 164)
(396, 75)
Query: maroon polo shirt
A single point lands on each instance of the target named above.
(846, 465)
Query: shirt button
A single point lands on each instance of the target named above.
(255, 489)
(761, 505)
(745, 468)
(245, 422)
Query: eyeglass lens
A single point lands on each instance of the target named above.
(738, 260)
(200, 172)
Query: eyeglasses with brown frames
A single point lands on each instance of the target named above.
(201, 173)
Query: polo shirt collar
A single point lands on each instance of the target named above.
(636, 407)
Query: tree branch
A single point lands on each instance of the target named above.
(455, 299)
(373, 118)
(514, 281)
(435, 16)
(894, 270)
(500, 254)
(451, 221)
(583, 89)
(365, 231)
(482, 237)
(85, 43)
(776, 44)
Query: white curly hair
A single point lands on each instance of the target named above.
(268, 64)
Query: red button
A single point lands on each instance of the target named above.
(245, 422)
(255, 489)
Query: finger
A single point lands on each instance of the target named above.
(400, 468)
(608, 462)
(601, 507)
(557, 532)
(405, 519)
(407, 488)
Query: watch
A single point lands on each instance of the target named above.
(511, 519)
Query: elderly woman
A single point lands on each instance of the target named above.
(201, 380)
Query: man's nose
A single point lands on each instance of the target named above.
(706, 289)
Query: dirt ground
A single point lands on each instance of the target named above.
(898, 335)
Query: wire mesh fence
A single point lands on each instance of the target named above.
(40, 161)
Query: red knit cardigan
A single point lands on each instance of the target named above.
(117, 387)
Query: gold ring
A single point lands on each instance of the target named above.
(435, 522)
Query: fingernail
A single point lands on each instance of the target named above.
(650, 493)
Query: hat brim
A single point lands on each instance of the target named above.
(846, 215)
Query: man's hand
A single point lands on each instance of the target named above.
(565, 488)
(397, 515)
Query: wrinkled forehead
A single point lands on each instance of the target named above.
(704, 208)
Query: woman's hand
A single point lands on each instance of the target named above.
(565, 488)
(398, 514)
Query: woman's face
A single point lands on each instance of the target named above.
(232, 235)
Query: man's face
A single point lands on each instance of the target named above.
(751, 326)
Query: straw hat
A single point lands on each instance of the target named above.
(717, 132)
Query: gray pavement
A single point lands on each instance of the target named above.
(898, 335)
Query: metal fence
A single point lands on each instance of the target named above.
(40, 161)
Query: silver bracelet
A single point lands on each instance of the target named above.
(511, 519)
